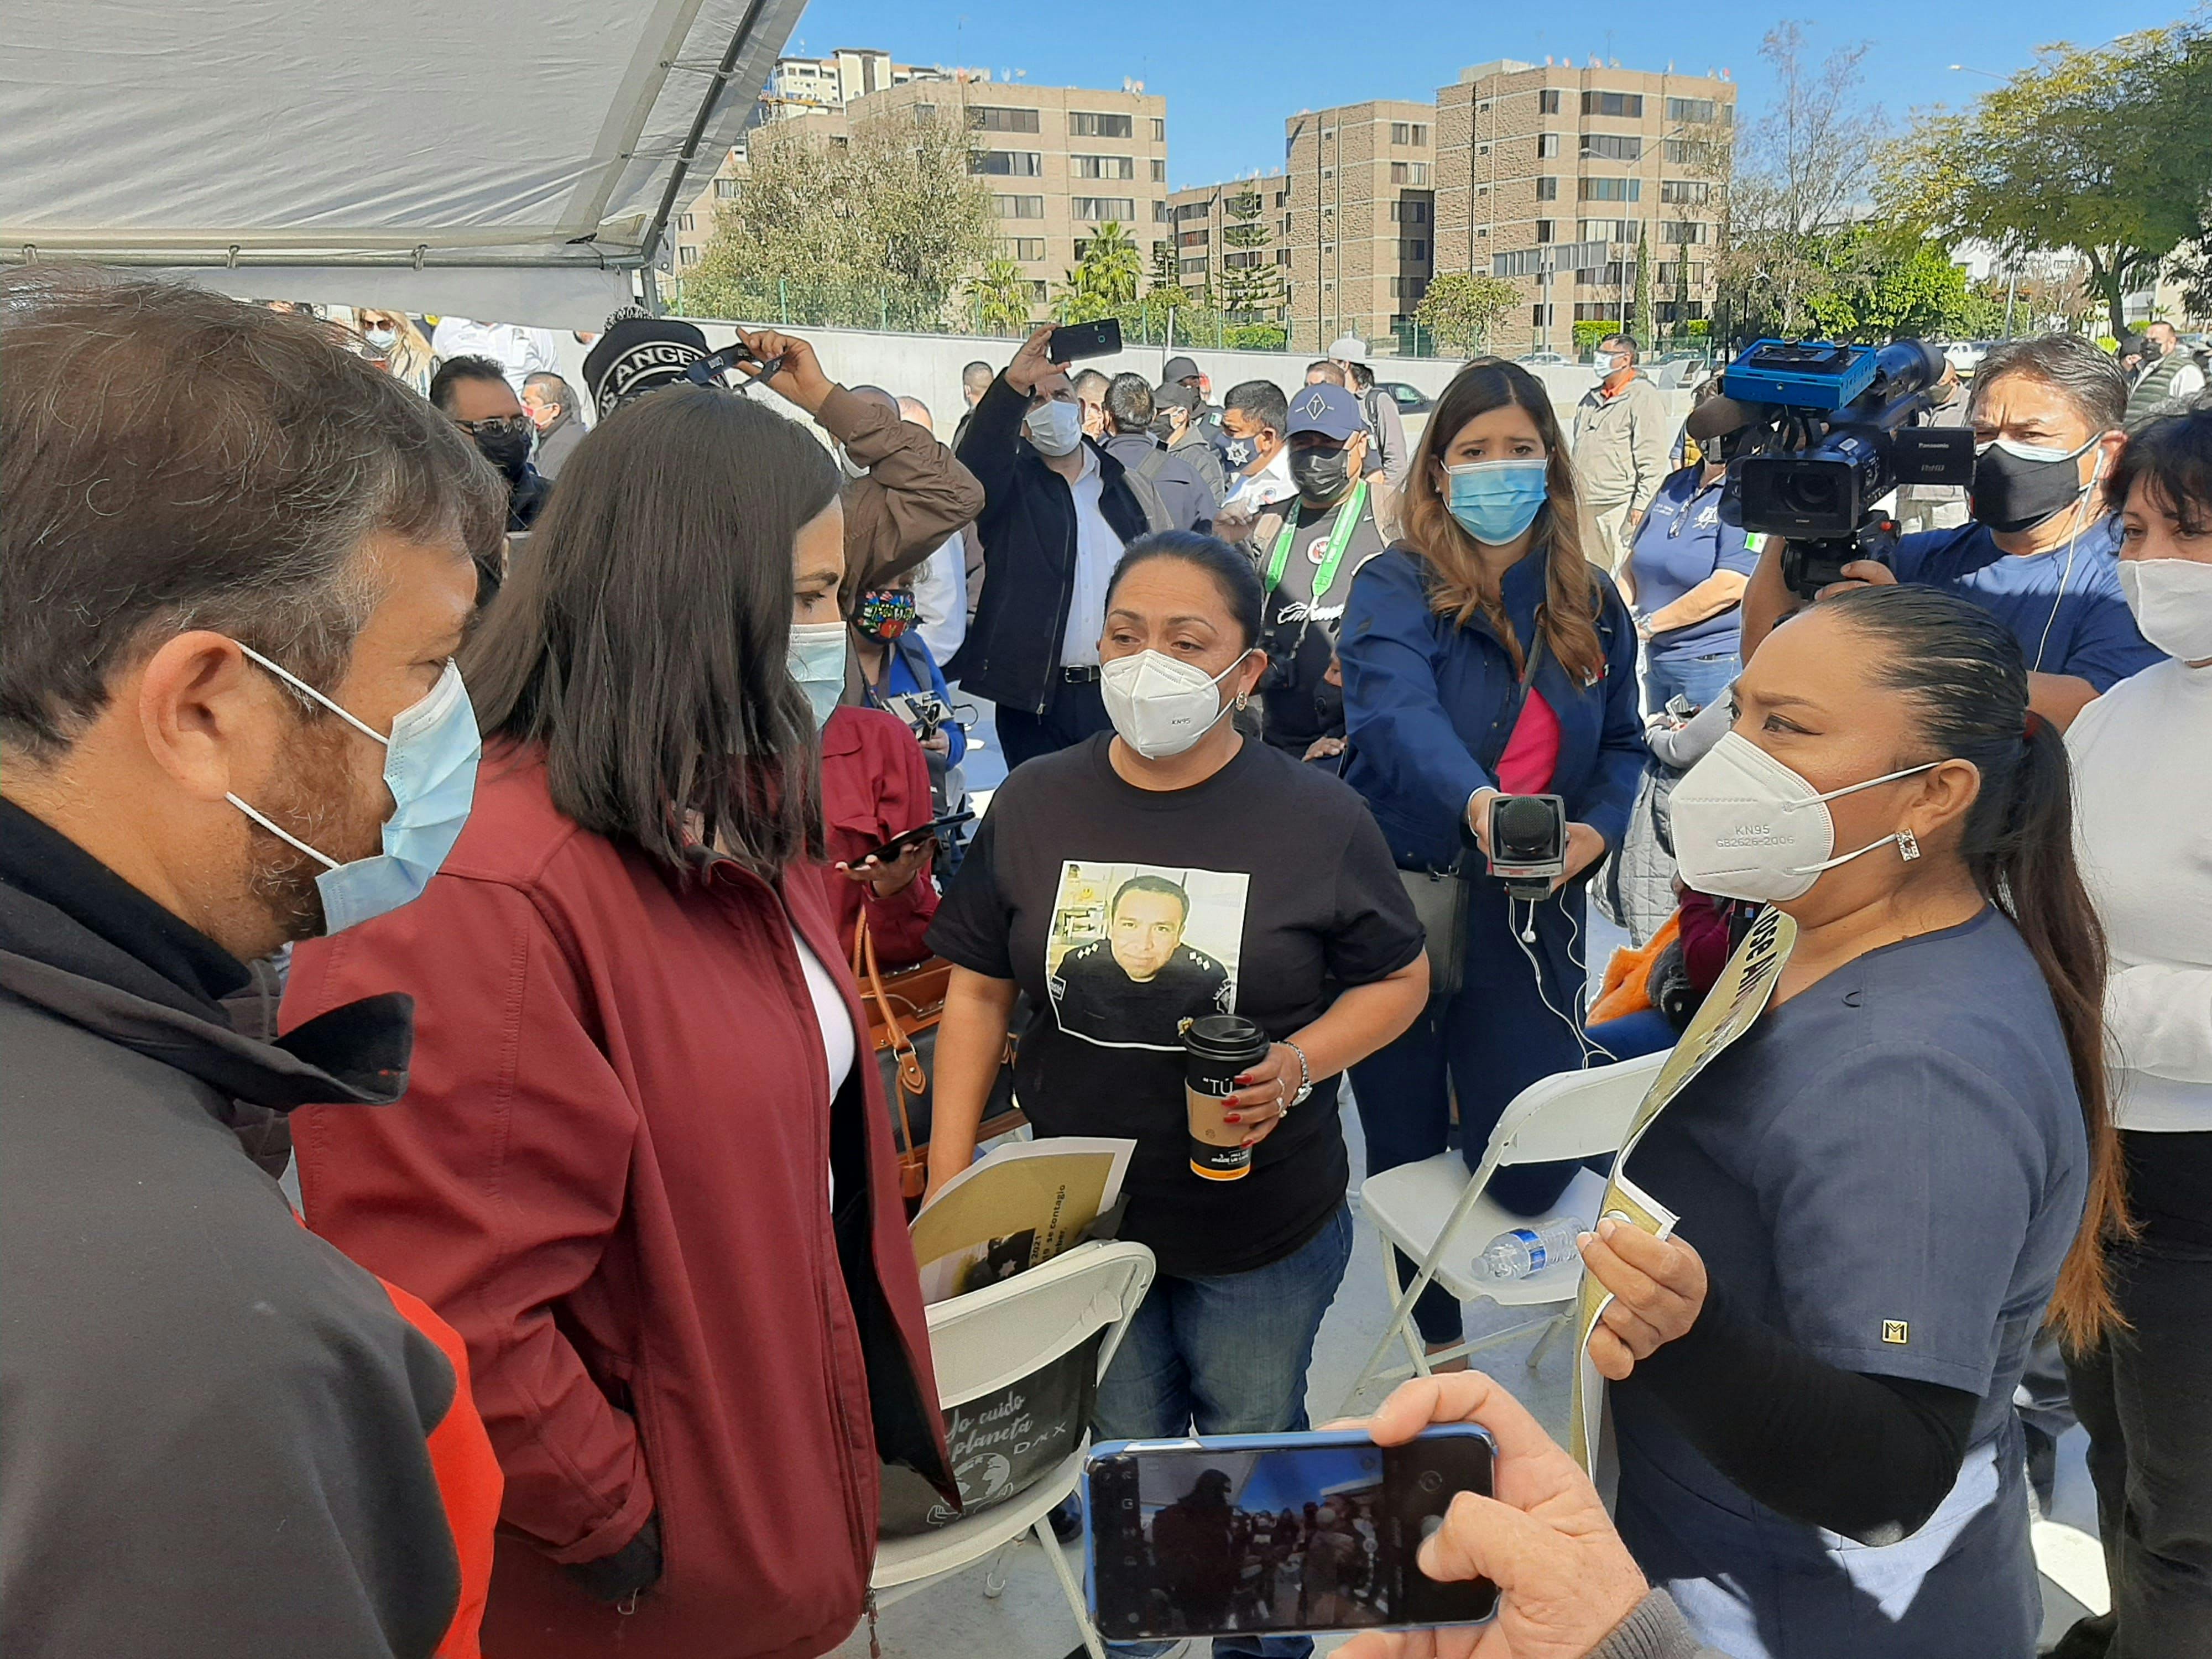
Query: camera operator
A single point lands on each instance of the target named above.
(2041, 552)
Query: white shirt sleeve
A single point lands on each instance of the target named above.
(2188, 381)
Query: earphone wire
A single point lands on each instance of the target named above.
(2065, 576)
(1590, 1050)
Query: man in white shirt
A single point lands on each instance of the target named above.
(1057, 513)
(940, 585)
(520, 352)
(1256, 419)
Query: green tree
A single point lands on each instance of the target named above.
(1166, 272)
(1641, 328)
(1884, 286)
(879, 228)
(2106, 150)
(1462, 306)
(1000, 295)
(1104, 278)
(1251, 286)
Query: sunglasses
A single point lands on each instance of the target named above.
(495, 426)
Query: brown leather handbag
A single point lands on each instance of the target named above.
(903, 1009)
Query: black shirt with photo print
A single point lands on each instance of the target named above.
(1323, 909)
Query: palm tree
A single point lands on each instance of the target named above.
(1111, 266)
(1000, 294)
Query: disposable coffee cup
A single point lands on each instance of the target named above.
(1217, 1050)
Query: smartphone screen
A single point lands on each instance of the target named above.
(1278, 1532)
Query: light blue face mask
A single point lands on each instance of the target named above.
(1495, 501)
(817, 661)
(430, 766)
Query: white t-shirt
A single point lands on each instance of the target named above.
(1097, 549)
(521, 351)
(2143, 830)
(833, 1022)
(940, 598)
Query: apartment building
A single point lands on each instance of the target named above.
(1360, 182)
(1207, 260)
(801, 85)
(1059, 161)
(1550, 175)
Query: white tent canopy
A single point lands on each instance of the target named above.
(478, 157)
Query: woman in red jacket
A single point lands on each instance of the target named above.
(643, 1165)
(875, 785)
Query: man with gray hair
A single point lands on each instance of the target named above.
(236, 565)
(1624, 441)
(551, 407)
(940, 582)
(2040, 551)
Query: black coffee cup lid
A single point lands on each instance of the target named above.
(1224, 1037)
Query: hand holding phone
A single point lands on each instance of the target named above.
(1564, 1577)
(1279, 1533)
(921, 834)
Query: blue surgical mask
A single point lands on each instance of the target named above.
(430, 768)
(1495, 501)
(817, 661)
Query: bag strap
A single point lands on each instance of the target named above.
(911, 1079)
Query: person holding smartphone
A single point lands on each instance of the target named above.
(1057, 512)
(1171, 871)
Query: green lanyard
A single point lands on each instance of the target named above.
(1340, 537)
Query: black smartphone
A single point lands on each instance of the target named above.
(897, 844)
(1099, 339)
(1278, 1533)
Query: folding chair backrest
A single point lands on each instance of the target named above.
(1574, 1115)
(993, 1338)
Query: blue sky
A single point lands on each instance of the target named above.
(1231, 74)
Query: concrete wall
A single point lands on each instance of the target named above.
(927, 367)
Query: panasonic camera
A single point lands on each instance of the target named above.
(1832, 430)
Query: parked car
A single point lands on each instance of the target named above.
(1410, 399)
(1546, 360)
(1966, 355)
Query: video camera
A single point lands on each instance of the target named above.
(1834, 428)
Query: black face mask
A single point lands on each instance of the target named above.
(507, 451)
(2012, 493)
(1321, 475)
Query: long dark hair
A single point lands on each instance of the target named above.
(1458, 586)
(1963, 674)
(642, 638)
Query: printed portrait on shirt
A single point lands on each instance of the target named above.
(1135, 949)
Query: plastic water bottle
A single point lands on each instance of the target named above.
(1523, 1252)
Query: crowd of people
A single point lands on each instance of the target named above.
(549, 775)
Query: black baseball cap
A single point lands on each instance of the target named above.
(1173, 394)
(638, 355)
(1178, 370)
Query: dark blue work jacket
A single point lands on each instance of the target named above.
(1428, 706)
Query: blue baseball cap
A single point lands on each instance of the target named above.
(1329, 410)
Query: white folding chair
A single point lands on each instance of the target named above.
(1423, 1208)
(987, 1339)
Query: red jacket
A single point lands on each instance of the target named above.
(875, 785)
(612, 1174)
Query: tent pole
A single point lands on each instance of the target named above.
(650, 279)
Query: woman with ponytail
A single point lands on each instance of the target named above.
(1891, 1182)
(1484, 655)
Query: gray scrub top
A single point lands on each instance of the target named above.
(1889, 1168)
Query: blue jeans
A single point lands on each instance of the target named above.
(1702, 679)
(1227, 1355)
(1646, 1031)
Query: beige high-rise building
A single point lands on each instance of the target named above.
(1542, 165)
(1360, 179)
(1205, 257)
(1059, 161)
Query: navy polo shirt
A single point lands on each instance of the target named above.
(1685, 537)
(2067, 623)
(1889, 1168)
